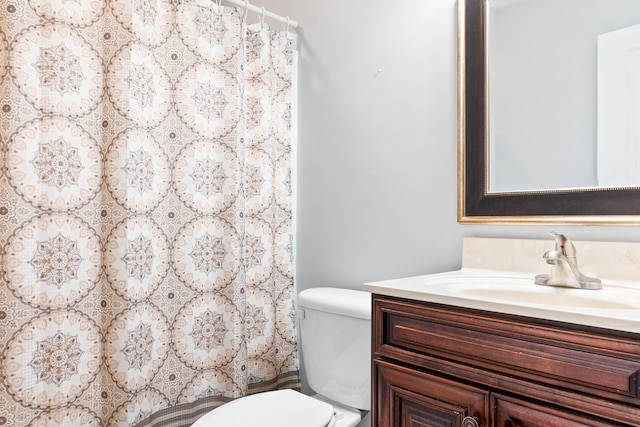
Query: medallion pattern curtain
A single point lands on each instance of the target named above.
(145, 211)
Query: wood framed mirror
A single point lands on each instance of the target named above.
(477, 201)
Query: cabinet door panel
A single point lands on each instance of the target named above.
(511, 412)
(420, 411)
(405, 397)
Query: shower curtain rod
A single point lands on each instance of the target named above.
(262, 11)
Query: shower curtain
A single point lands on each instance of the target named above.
(145, 211)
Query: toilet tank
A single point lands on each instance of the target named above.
(335, 340)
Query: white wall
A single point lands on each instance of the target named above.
(377, 165)
(377, 150)
(377, 155)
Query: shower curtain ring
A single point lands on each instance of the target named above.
(246, 9)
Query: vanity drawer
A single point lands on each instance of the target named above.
(553, 353)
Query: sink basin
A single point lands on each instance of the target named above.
(522, 290)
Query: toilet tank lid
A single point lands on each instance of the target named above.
(345, 302)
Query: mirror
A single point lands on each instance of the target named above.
(525, 82)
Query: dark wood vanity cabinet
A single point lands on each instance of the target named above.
(436, 365)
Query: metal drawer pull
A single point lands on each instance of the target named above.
(470, 422)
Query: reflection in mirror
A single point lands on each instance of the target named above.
(561, 145)
(619, 106)
(563, 88)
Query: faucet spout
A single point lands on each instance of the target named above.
(564, 270)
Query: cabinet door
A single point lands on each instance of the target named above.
(406, 397)
(512, 412)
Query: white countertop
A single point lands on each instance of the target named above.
(498, 275)
(616, 306)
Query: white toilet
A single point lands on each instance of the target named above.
(335, 334)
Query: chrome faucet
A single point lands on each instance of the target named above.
(564, 270)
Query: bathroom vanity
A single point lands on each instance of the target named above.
(526, 355)
(438, 365)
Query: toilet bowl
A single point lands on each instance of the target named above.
(335, 337)
(281, 408)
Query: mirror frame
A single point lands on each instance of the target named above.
(580, 206)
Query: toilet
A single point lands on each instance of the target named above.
(335, 345)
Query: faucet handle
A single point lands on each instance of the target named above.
(564, 245)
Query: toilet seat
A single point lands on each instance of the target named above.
(280, 408)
